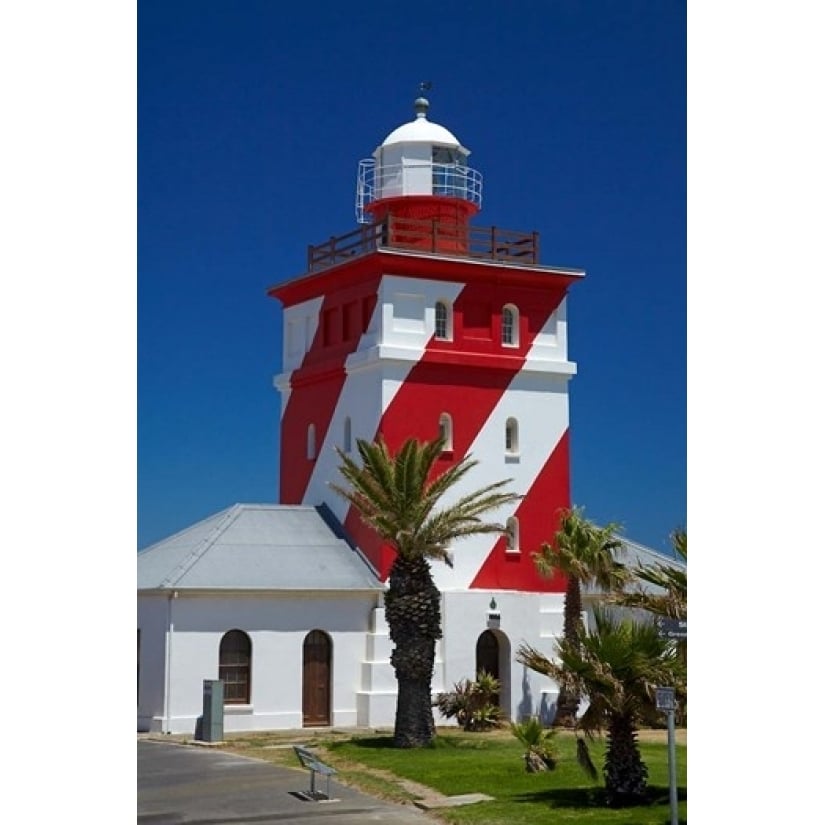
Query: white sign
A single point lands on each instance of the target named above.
(665, 699)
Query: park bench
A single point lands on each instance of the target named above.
(314, 765)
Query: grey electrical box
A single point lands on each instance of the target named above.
(212, 727)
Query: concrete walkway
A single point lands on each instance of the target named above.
(188, 785)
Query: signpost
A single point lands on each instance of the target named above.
(665, 700)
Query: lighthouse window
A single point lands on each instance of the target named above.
(311, 442)
(442, 154)
(511, 437)
(445, 430)
(330, 326)
(347, 435)
(351, 320)
(509, 326)
(443, 325)
(449, 174)
(512, 535)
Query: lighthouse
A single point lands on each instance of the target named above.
(417, 322)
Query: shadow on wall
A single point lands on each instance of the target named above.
(527, 708)
(547, 711)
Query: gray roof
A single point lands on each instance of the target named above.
(637, 555)
(257, 547)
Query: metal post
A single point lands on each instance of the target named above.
(666, 701)
(671, 759)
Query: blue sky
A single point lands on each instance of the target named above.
(252, 117)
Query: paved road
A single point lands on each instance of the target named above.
(179, 784)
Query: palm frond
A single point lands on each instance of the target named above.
(584, 550)
(671, 579)
(616, 664)
(533, 658)
(398, 496)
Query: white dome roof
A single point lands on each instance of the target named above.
(422, 130)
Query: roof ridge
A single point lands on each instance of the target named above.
(264, 505)
(340, 532)
(660, 557)
(186, 565)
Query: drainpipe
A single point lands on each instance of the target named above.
(167, 698)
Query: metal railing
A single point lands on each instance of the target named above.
(431, 236)
(451, 180)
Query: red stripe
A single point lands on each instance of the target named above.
(443, 382)
(538, 515)
(317, 384)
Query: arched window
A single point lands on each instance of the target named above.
(509, 326)
(512, 535)
(445, 430)
(511, 437)
(443, 321)
(235, 666)
(347, 435)
(311, 442)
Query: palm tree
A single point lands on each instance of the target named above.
(670, 602)
(584, 554)
(397, 496)
(670, 579)
(617, 665)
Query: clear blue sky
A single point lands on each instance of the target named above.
(252, 117)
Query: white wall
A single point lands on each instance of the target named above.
(536, 619)
(277, 625)
(363, 684)
(151, 616)
(300, 326)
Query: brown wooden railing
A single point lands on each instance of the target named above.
(432, 236)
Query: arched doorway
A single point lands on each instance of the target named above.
(487, 658)
(316, 675)
(493, 656)
(487, 654)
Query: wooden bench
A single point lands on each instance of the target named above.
(314, 765)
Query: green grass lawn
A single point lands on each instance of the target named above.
(460, 763)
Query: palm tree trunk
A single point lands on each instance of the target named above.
(567, 705)
(413, 613)
(624, 772)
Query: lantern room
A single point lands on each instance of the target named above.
(419, 172)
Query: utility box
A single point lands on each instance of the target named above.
(212, 727)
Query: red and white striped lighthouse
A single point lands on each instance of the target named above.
(418, 323)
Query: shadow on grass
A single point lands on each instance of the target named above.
(660, 794)
(566, 797)
(370, 742)
(595, 797)
(386, 743)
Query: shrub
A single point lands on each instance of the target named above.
(473, 705)
(540, 754)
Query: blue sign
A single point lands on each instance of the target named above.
(665, 699)
(673, 628)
